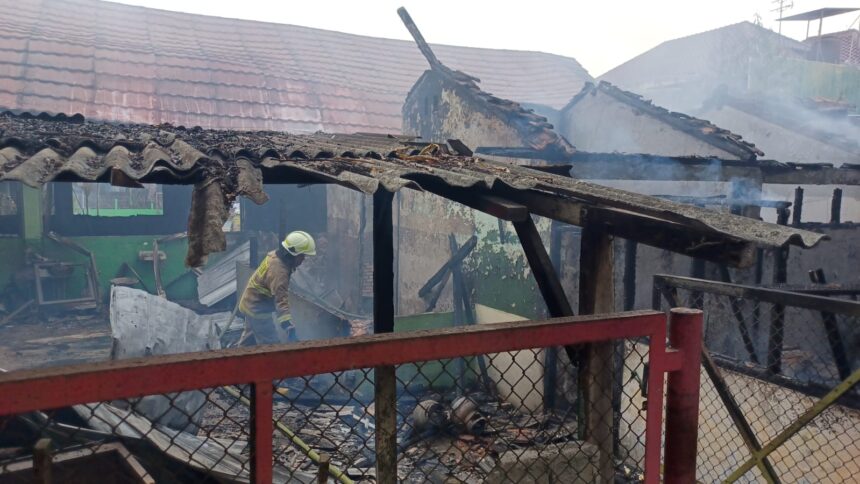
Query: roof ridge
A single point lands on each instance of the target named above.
(701, 129)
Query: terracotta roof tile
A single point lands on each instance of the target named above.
(153, 66)
(10, 72)
(70, 62)
(76, 78)
(60, 48)
(126, 84)
(62, 91)
(11, 56)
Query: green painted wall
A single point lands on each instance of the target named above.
(111, 252)
(31, 205)
(11, 257)
(438, 375)
(500, 271)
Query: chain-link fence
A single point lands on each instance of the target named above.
(489, 417)
(772, 379)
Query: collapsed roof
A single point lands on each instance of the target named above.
(123, 63)
(225, 164)
(698, 128)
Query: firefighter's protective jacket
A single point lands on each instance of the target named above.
(267, 290)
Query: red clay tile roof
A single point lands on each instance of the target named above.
(122, 63)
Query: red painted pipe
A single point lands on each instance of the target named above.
(682, 397)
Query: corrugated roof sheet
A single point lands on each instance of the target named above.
(131, 64)
(699, 128)
(224, 164)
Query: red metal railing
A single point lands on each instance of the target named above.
(32, 390)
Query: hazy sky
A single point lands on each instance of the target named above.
(600, 34)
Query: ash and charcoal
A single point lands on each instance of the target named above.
(439, 436)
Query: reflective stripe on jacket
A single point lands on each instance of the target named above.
(267, 290)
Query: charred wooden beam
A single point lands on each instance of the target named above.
(446, 268)
(619, 166)
(630, 254)
(419, 39)
(831, 328)
(546, 277)
(808, 388)
(688, 241)
(737, 311)
(836, 207)
(551, 354)
(596, 296)
(772, 296)
(797, 207)
(776, 334)
(541, 265)
(497, 207)
(459, 310)
(385, 383)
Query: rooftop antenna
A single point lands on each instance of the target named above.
(782, 6)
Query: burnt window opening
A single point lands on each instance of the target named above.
(102, 200)
(106, 210)
(290, 207)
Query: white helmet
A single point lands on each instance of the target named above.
(299, 242)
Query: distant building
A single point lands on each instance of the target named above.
(605, 118)
(679, 74)
(122, 63)
(836, 48)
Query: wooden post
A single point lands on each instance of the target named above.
(596, 295)
(836, 206)
(385, 384)
(547, 280)
(460, 309)
(777, 313)
(797, 207)
(43, 461)
(323, 468)
(630, 249)
(550, 376)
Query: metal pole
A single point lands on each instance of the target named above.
(682, 397)
(262, 429)
(385, 384)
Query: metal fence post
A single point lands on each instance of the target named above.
(682, 397)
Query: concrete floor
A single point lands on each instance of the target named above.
(40, 342)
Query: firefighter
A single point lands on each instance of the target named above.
(266, 292)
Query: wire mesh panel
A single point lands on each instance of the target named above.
(773, 362)
(199, 436)
(507, 414)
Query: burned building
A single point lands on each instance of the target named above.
(482, 393)
(39, 150)
(603, 119)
